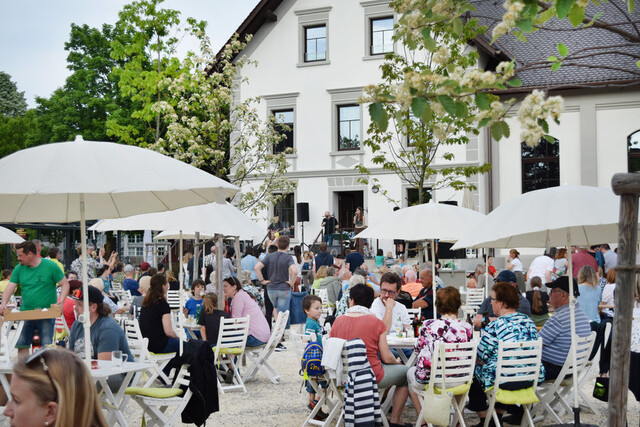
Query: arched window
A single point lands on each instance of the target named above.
(540, 165)
(633, 151)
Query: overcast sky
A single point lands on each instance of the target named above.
(33, 33)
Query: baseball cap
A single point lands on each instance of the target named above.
(95, 296)
(506, 276)
(144, 266)
(562, 282)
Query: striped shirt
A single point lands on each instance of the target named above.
(556, 334)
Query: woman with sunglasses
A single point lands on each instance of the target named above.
(53, 388)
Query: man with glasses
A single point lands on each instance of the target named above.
(385, 308)
(38, 278)
(556, 332)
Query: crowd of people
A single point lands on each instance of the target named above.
(368, 305)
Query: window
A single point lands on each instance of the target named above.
(348, 127)
(381, 35)
(135, 251)
(284, 120)
(135, 237)
(285, 207)
(315, 39)
(633, 150)
(540, 166)
(413, 196)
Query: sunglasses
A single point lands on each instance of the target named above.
(32, 362)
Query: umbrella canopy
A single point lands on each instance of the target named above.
(542, 218)
(79, 180)
(208, 220)
(44, 183)
(428, 221)
(8, 236)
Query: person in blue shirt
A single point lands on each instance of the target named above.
(129, 283)
(353, 260)
(197, 290)
(248, 263)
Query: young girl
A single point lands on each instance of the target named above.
(538, 301)
(320, 274)
(379, 258)
(210, 319)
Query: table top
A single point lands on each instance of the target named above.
(401, 342)
(190, 325)
(106, 368)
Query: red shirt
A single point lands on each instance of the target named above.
(582, 258)
(368, 328)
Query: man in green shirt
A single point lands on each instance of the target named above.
(38, 278)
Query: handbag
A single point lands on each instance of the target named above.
(601, 389)
(439, 405)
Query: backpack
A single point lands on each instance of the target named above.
(311, 360)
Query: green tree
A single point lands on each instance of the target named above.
(18, 132)
(207, 129)
(12, 102)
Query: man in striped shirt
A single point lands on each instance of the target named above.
(556, 332)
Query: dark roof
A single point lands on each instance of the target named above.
(597, 56)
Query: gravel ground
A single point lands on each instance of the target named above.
(266, 404)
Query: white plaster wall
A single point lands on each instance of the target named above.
(614, 126)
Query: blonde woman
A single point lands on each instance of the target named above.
(590, 294)
(53, 388)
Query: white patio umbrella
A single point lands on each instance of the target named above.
(80, 180)
(557, 216)
(429, 221)
(8, 236)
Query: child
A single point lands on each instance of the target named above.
(379, 258)
(191, 306)
(312, 306)
(389, 260)
(210, 319)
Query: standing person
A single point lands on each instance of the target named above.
(274, 227)
(542, 267)
(38, 244)
(55, 255)
(590, 295)
(492, 269)
(359, 225)
(329, 226)
(297, 261)
(6, 275)
(249, 262)
(581, 258)
(155, 318)
(513, 263)
(353, 260)
(282, 275)
(322, 258)
(37, 278)
(610, 257)
(227, 265)
(92, 263)
(53, 387)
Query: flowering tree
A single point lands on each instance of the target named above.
(207, 129)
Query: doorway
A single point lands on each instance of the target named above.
(348, 201)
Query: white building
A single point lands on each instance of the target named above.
(315, 56)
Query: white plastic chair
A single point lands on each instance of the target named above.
(555, 392)
(474, 300)
(258, 356)
(588, 376)
(139, 348)
(517, 361)
(157, 407)
(413, 312)
(459, 362)
(232, 339)
(173, 298)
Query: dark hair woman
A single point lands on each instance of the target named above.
(155, 311)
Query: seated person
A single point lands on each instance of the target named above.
(447, 329)
(394, 315)
(412, 286)
(191, 306)
(486, 308)
(155, 318)
(210, 318)
(106, 334)
(115, 309)
(136, 303)
(242, 305)
(556, 332)
(332, 284)
(359, 322)
(69, 304)
(424, 300)
(343, 304)
(129, 283)
(539, 302)
(509, 326)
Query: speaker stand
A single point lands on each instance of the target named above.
(302, 244)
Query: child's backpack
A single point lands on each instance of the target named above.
(311, 360)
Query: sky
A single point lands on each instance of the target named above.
(33, 34)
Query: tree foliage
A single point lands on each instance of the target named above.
(12, 102)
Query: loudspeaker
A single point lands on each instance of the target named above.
(302, 212)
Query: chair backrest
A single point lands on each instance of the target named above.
(233, 334)
(413, 312)
(183, 378)
(173, 298)
(475, 297)
(518, 361)
(123, 295)
(583, 351)
(458, 363)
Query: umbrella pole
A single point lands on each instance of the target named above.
(433, 276)
(238, 257)
(86, 321)
(219, 255)
(485, 252)
(196, 266)
(180, 312)
(572, 312)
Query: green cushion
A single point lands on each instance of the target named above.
(523, 396)
(228, 350)
(456, 391)
(157, 392)
(159, 354)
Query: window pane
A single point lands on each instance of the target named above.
(350, 113)
(381, 35)
(382, 24)
(540, 166)
(286, 209)
(321, 48)
(284, 117)
(633, 144)
(316, 32)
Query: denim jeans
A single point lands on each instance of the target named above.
(328, 238)
(45, 330)
(254, 342)
(280, 300)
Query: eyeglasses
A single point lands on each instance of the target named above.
(385, 291)
(39, 355)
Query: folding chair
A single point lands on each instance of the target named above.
(9, 337)
(232, 339)
(459, 362)
(332, 396)
(555, 392)
(258, 356)
(139, 348)
(155, 401)
(413, 312)
(300, 341)
(173, 298)
(474, 300)
(517, 361)
(587, 375)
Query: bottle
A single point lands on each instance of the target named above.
(469, 321)
(35, 343)
(399, 327)
(416, 326)
(198, 309)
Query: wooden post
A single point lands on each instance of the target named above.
(236, 245)
(628, 187)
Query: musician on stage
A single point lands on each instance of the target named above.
(329, 226)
